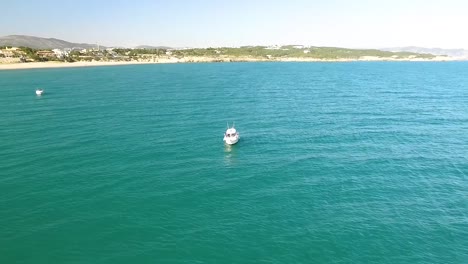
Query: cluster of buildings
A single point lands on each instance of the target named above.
(15, 52)
(278, 47)
(11, 52)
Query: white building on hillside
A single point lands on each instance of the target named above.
(60, 53)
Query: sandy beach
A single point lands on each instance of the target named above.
(36, 65)
(54, 64)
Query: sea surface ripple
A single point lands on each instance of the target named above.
(362, 162)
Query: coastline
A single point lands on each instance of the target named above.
(42, 65)
(55, 64)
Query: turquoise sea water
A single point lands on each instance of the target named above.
(362, 162)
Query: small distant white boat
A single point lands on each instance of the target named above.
(231, 136)
(39, 91)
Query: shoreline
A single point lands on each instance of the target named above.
(55, 64)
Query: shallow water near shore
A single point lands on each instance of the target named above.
(359, 162)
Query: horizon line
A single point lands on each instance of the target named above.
(235, 46)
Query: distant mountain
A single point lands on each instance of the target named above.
(53, 43)
(42, 43)
(152, 47)
(457, 53)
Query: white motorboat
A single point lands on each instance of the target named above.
(231, 136)
(39, 91)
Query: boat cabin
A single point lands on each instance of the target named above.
(231, 132)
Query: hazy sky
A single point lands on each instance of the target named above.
(204, 23)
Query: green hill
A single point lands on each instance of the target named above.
(41, 43)
(293, 52)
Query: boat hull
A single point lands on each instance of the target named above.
(231, 141)
(231, 136)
